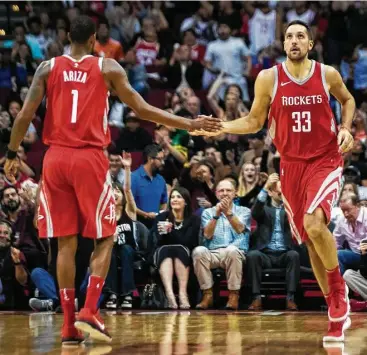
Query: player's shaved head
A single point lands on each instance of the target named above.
(81, 29)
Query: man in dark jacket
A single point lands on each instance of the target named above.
(272, 244)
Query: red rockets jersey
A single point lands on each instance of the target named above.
(77, 103)
(301, 122)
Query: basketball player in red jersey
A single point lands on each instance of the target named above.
(76, 194)
(305, 133)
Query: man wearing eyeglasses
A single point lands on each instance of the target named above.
(148, 186)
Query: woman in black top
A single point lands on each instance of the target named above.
(125, 244)
(176, 232)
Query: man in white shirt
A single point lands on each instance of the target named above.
(229, 55)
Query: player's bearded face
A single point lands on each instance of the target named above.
(297, 43)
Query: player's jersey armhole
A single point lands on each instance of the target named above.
(323, 78)
(52, 63)
(275, 86)
(100, 62)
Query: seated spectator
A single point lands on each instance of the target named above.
(35, 27)
(148, 186)
(360, 126)
(125, 246)
(302, 12)
(106, 46)
(13, 270)
(201, 23)
(264, 25)
(193, 105)
(116, 169)
(215, 158)
(148, 48)
(197, 50)
(233, 104)
(181, 72)
(176, 234)
(31, 135)
(132, 137)
(136, 73)
(229, 55)
(351, 229)
(258, 144)
(357, 280)
(20, 37)
(5, 130)
(228, 14)
(272, 244)
(24, 168)
(247, 183)
(25, 64)
(226, 241)
(336, 212)
(360, 70)
(198, 179)
(356, 158)
(175, 151)
(20, 211)
(124, 24)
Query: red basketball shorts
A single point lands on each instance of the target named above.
(307, 186)
(76, 195)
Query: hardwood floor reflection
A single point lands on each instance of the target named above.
(181, 333)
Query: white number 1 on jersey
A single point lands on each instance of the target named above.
(74, 109)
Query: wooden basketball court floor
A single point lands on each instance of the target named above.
(185, 332)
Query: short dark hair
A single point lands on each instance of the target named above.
(103, 22)
(151, 151)
(19, 24)
(34, 19)
(6, 188)
(81, 28)
(301, 23)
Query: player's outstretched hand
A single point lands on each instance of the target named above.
(11, 168)
(126, 160)
(208, 124)
(345, 140)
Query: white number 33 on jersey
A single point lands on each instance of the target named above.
(302, 121)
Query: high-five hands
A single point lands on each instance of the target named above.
(206, 126)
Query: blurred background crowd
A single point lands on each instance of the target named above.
(188, 58)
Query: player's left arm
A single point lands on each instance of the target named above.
(31, 103)
(338, 89)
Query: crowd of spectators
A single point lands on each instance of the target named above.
(202, 203)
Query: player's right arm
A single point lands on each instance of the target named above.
(117, 80)
(256, 118)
